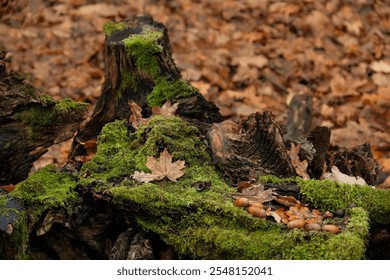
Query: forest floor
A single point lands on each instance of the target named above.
(244, 56)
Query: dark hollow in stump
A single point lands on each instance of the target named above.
(139, 67)
(30, 122)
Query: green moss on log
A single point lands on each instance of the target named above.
(143, 48)
(332, 195)
(111, 26)
(40, 118)
(47, 189)
(165, 90)
(201, 225)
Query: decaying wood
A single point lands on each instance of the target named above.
(252, 148)
(357, 161)
(22, 141)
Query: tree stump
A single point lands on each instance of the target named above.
(139, 67)
(30, 122)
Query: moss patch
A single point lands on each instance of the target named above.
(201, 225)
(47, 189)
(332, 195)
(165, 90)
(39, 117)
(143, 48)
(110, 26)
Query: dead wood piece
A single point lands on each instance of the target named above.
(252, 148)
(357, 161)
(30, 122)
(300, 115)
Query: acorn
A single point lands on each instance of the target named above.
(299, 223)
(255, 204)
(241, 202)
(257, 212)
(312, 227)
(331, 228)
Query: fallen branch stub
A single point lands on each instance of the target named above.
(30, 122)
(139, 67)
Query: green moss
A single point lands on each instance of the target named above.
(143, 48)
(27, 89)
(39, 117)
(201, 225)
(332, 195)
(46, 100)
(47, 189)
(165, 90)
(128, 81)
(111, 26)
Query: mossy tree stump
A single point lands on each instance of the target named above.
(139, 67)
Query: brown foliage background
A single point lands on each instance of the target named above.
(243, 55)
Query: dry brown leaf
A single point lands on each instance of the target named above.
(302, 212)
(167, 110)
(275, 215)
(8, 188)
(286, 200)
(164, 168)
(136, 118)
(299, 166)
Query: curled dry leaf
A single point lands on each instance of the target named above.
(164, 168)
(136, 118)
(299, 166)
(167, 110)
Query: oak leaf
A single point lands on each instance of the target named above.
(299, 166)
(164, 168)
(136, 118)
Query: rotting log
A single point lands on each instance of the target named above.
(30, 122)
(139, 67)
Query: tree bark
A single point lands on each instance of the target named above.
(30, 122)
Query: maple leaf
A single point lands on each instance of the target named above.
(164, 168)
(167, 110)
(299, 166)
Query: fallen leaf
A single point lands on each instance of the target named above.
(136, 118)
(274, 215)
(167, 110)
(299, 166)
(286, 200)
(381, 66)
(161, 169)
(302, 212)
(8, 188)
(143, 177)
